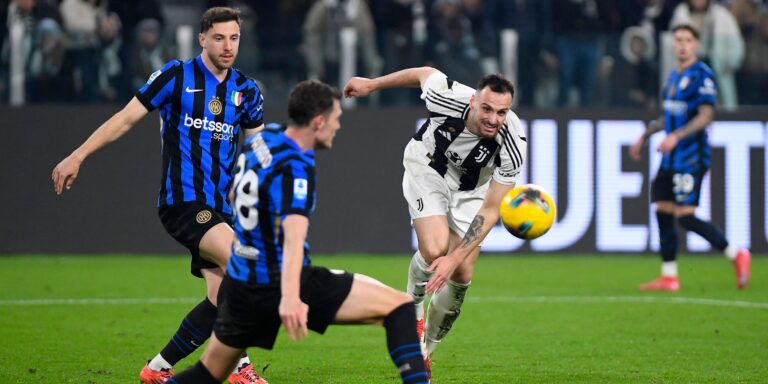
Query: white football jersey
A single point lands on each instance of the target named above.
(465, 160)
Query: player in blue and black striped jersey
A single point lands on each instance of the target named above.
(270, 279)
(204, 103)
(689, 106)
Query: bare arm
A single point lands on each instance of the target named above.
(704, 116)
(484, 220)
(65, 173)
(252, 131)
(293, 312)
(653, 127)
(406, 78)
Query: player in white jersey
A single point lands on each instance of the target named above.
(458, 166)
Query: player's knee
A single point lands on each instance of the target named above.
(688, 221)
(432, 250)
(463, 276)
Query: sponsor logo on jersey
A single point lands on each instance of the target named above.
(219, 130)
(454, 157)
(215, 106)
(203, 217)
(675, 107)
(154, 75)
(708, 88)
(684, 82)
(300, 189)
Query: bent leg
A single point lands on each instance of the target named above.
(214, 366)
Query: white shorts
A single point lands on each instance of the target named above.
(428, 194)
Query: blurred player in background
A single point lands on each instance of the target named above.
(458, 167)
(203, 103)
(270, 278)
(689, 106)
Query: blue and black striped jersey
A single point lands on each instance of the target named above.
(201, 118)
(683, 94)
(273, 178)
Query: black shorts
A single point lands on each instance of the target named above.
(187, 223)
(678, 187)
(248, 313)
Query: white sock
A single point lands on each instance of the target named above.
(417, 280)
(669, 268)
(444, 309)
(159, 363)
(731, 251)
(241, 363)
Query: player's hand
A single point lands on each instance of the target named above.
(442, 269)
(358, 87)
(65, 173)
(635, 150)
(669, 143)
(293, 313)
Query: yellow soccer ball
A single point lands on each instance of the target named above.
(527, 211)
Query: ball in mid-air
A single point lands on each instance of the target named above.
(527, 211)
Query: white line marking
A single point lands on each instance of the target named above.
(504, 299)
(621, 299)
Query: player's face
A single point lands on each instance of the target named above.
(220, 43)
(330, 124)
(489, 112)
(686, 45)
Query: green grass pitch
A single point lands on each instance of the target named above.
(527, 319)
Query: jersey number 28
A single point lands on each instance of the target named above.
(246, 195)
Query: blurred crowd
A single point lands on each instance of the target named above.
(570, 53)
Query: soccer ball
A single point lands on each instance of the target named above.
(527, 211)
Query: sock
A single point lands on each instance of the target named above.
(196, 374)
(669, 268)
(731, 251)
(403, 344)
(667, 236)
(417, 280)
(158, 363)
(444, 309)
(704, 229)
(244, 361)
(194, 330)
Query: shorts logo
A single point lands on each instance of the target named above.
(215, 106)
(420, 204)
(203, 217)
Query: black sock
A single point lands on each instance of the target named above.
(705, 230)
(196, 374)
(667, 236)
(403, 344)
(194, 330)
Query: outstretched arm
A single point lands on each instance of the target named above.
(484, 220)
(406, 78)
(65, 173)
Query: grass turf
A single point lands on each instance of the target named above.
(534, 318)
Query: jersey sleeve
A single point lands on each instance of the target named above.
(445, 96)
(159, 87)
(254, 109)
(295, 190)
(513, 153)
(707, 90)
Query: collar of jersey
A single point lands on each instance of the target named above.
(308, 152)
(199, 60)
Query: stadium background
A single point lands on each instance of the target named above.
(77, 61)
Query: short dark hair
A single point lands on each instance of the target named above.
(686, 27)
(497, 83)
(218, 15)
(309, 99)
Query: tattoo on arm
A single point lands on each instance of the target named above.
(474, 232)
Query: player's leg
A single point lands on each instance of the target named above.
(662, 193)
(214, 366)
(371, 302)
(685, 216)
(215, 247)
(433, 238)
(445, 306)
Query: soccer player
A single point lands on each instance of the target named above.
(458, 167)
(269, 277)
(204, 103)
(689, 106)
